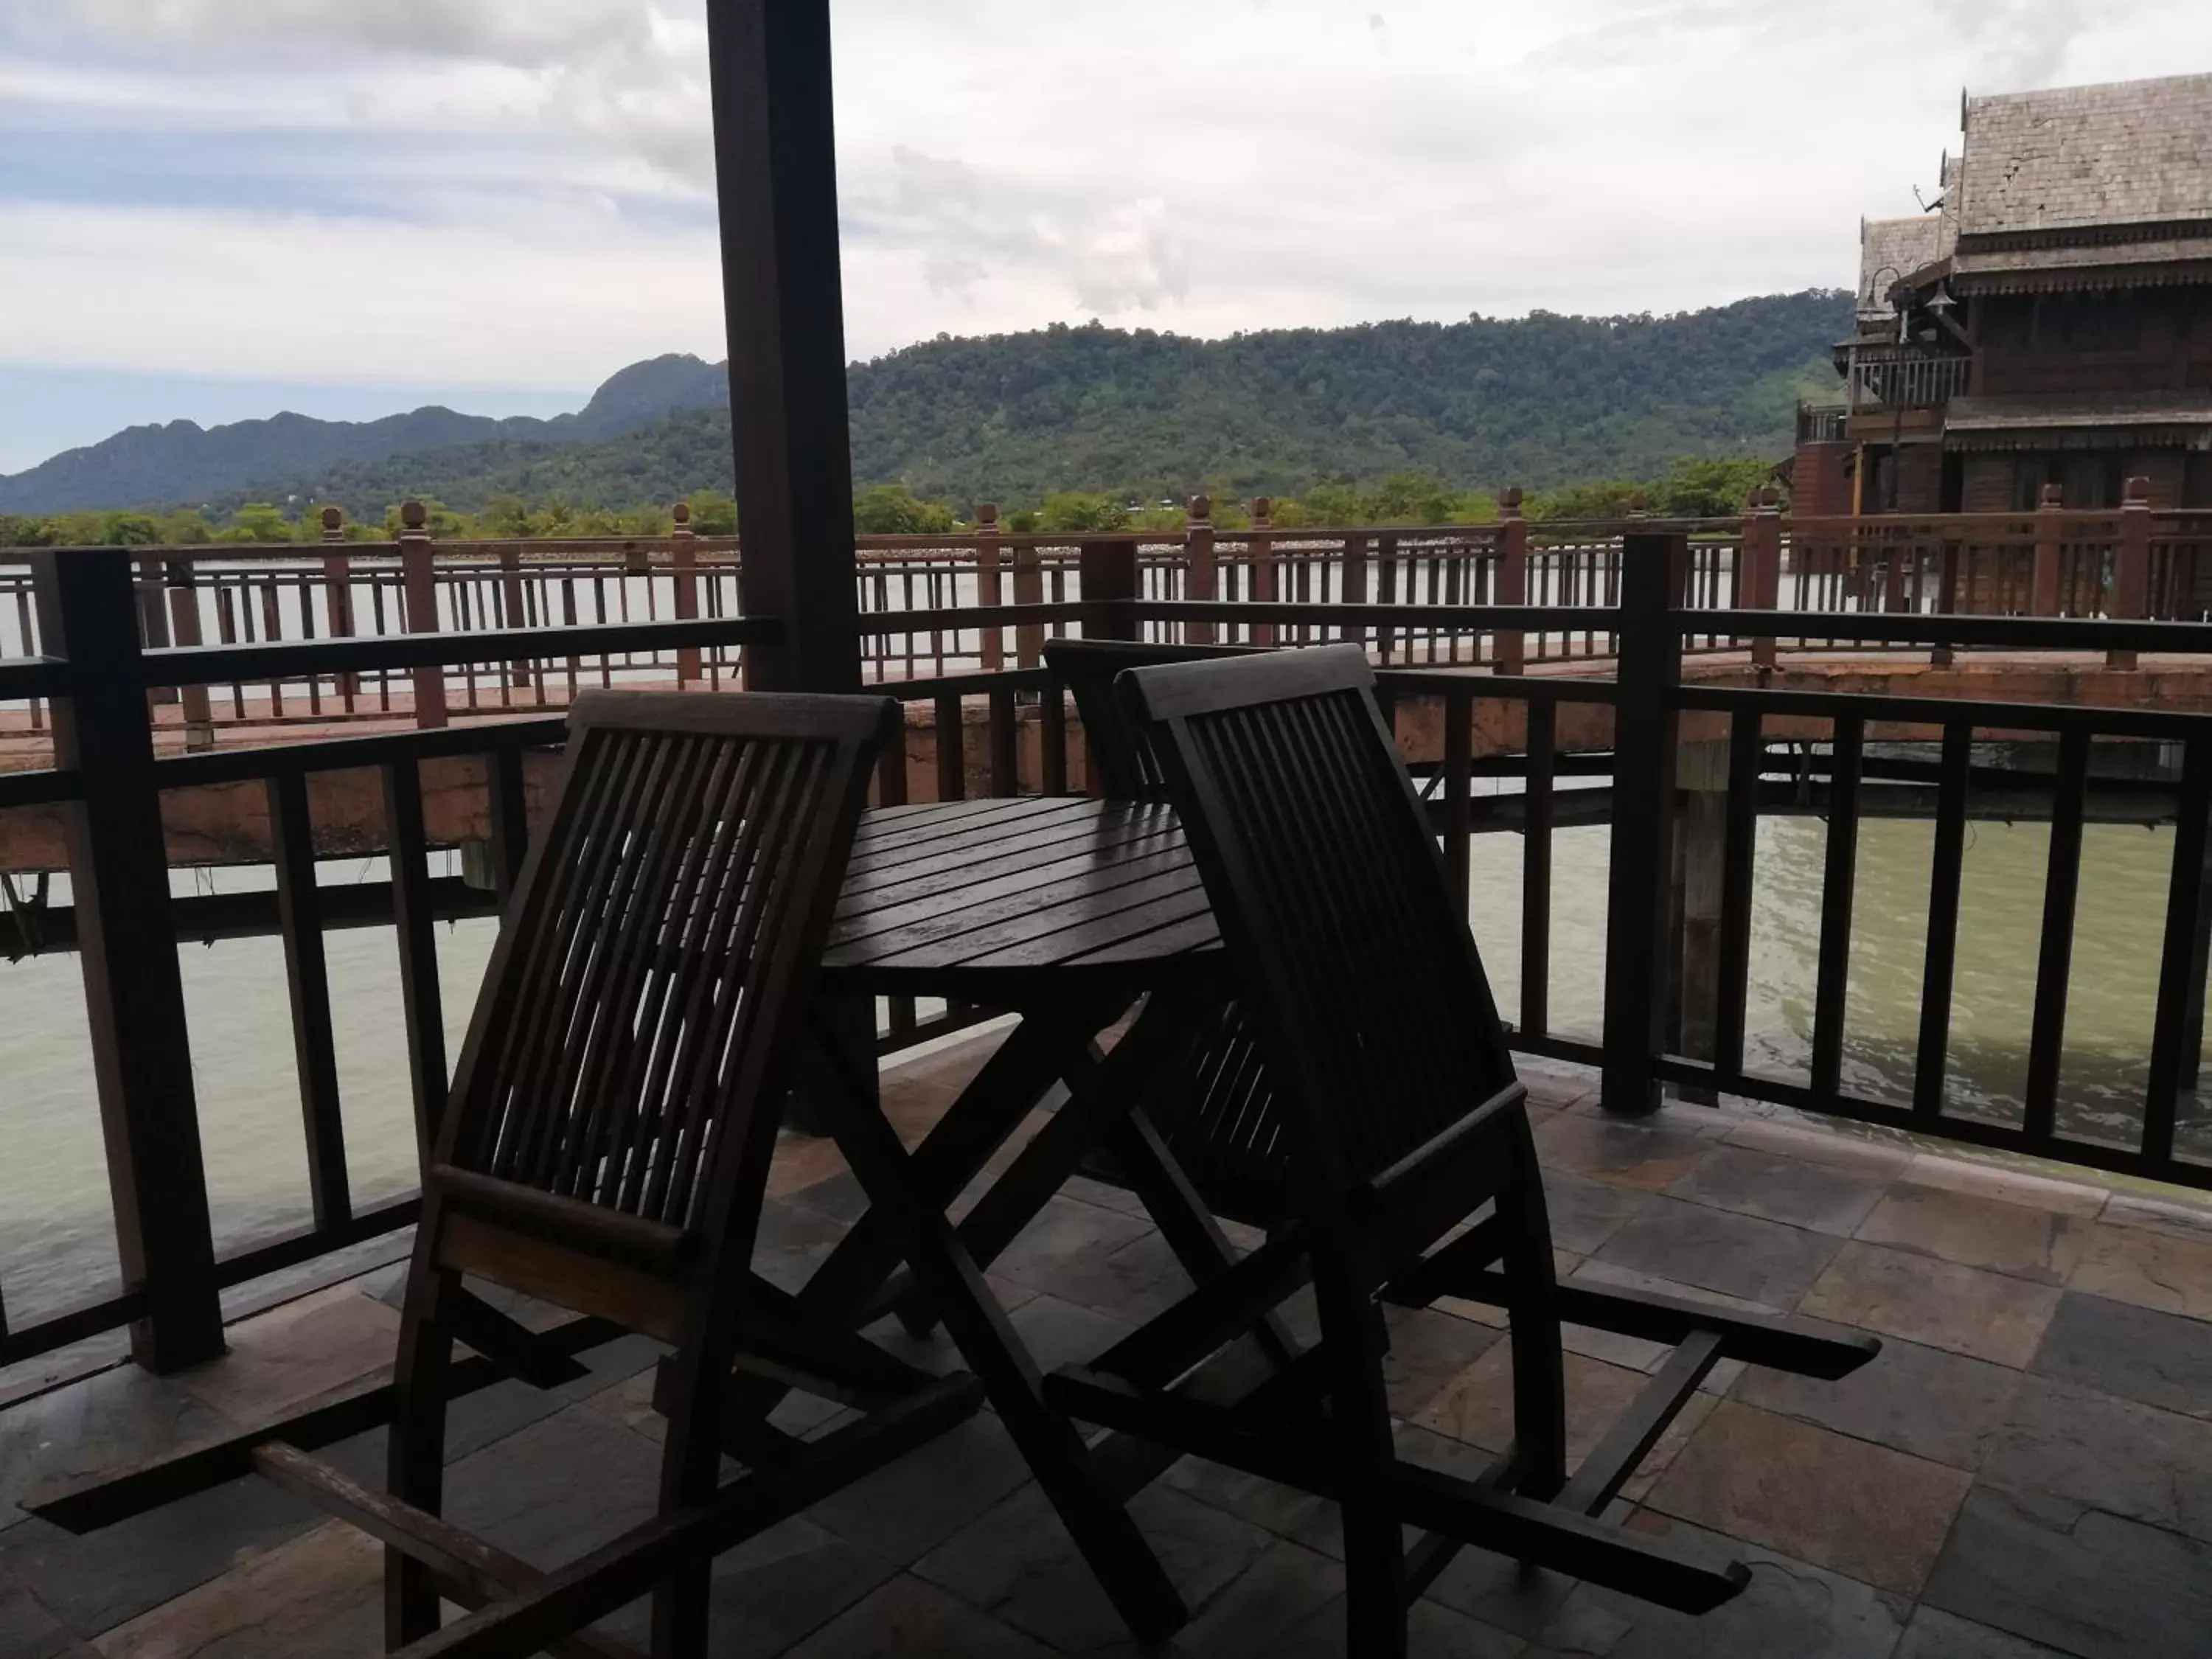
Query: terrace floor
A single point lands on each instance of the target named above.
(2025, 1469)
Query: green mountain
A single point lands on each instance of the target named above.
(1540, 401)
(184, 462)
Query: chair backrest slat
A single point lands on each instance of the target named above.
(1355, 963)
(641, 1005)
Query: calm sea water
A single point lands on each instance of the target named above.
(56, 1239)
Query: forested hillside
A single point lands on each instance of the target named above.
(1540, 401)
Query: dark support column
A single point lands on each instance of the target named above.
(776, 167)
(1641, 881)
(776, 175)
(134, 997)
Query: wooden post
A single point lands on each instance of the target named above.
(1762, 565)
(1109, 576)
(776, 178)
(1512, 576)
(142, 1060)
(683, 559)
(515, 604)
(776, 181)
(338, 594)
(2131, 566)
(177, 574)
(1200, 574)
(1262, 547)
(2049, 535)
(1028, 589)
(989, 552)
(418, 584)
(1640, 883)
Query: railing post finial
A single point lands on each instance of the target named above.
(2043, 596)
(418, 579)
(1512, 576)
(683, 564)
(1261, 548)
(2131, 564)
(1200, 573)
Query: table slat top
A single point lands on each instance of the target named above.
(950, 898)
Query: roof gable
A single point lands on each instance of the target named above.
(2128, 152)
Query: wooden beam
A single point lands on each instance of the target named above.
(475, 1573)
(101, 1500)
(627, 1567)
(776, 179)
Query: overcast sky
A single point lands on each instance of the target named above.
(216, 208)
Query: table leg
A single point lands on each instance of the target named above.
(1016, 1076)
(1127, 1568)
(1101, 1096)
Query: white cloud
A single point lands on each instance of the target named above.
(1004, 163)
(293, 297)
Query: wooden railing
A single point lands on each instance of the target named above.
(1907, 379)
(936, 605)
(1006, 731)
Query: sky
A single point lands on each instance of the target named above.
(215, 208)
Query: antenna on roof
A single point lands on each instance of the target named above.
(1962, 109)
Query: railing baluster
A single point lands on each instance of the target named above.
(1839, 882)
(890, 768)
(1940, 962)
(2178, 1029)
(306, 971)
(1739, 857)
(510, 820)
(1459, 767)
(952, 758)
(2055, 956)
(1006, 759)
(422, 1005)
(1536, 815)
(1052, 713)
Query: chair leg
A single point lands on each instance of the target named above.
(416, 1455)
(1540, 1389)
(691, 1473)
(1356, 1340)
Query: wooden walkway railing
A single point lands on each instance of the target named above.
(97, 674)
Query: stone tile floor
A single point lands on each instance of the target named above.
(2026, 1470)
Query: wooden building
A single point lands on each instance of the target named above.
(2048, 321)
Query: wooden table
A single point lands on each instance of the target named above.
(1017, 898)
(1069, 913)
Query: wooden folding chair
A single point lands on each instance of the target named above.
(606, 1148)
(1401, 1121)
(1210, 1104)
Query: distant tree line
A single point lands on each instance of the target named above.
(1691, 488)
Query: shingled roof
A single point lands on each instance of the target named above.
(1890, 249)
(2127, 152)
